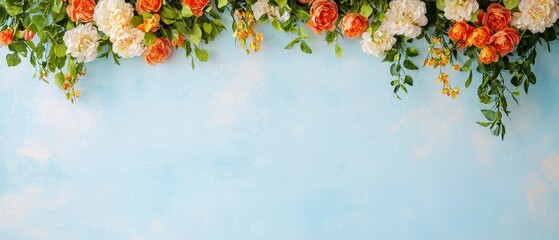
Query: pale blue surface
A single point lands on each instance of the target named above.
(275, 145)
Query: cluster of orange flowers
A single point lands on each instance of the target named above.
(440, 56)
(492, 35)
(245, 30)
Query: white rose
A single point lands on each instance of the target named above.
(129, 42)
(535, 16)
(112, 16)
(378, 43)
(405, 17)
(460, 10)
(82, 42)
(260, 8)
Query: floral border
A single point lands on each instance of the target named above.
(495, 38)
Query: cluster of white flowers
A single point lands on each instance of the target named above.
(262, 7)
(378, 43)
(82, 42)
(113, 18)
(403, 17)
(460, 10)
(535, 15)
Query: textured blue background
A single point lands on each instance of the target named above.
(275, 145)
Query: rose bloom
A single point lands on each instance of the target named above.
(82, 42)
(460, 31)
(196, 6)
(148, 6)
(28, 35)
(481, 36)
(324, 14)
(129, 42)
(505, 40)
(81, 10)
(488, 55)
(6, 37)
(158, 51)
(377, 44)
(497, 17)
(113, 16)
(353, 25)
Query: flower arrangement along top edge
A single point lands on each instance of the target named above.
(498, 39)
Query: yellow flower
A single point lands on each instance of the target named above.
(150, 23)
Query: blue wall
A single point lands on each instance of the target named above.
(275, 145)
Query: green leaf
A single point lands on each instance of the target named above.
(39, 21)
(302, 14)
(281, 3)
(221, 3)
(489, 114)
(395, 69)
(302, 33)
(410, 65)
(469, 81)
(196, 36)
(408, 80)
(60, 50)
(13, 7)
(339, 51)
(331, 36)
(13, 59)
(186, 11)
(59, 80)
(136, 21)
(201, 54)
(207, 27)
(366, 10)
(412, 52)
(292, 43)
(484, 124)
(511, 4)
(441, 4)
(149, 37)
(305, 47)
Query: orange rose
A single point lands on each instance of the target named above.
(6, 37)
(28, 35)
(306, 1)
(505, 40)
(324, 14)
(481, 36)
(488, 55)
(81, 10)
(196, 6)
(158, 51)
(148, 6)
(497, 17)
(353, 25)
(460, 31)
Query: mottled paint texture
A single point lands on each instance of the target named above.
(275, 145)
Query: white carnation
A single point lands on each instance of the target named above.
(535, 15)
(129, 42)
(460, 10)
(262, 7)
(378, 43)
(112, 16)
(405, 17)
(82, 42)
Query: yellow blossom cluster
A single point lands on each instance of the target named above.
(245, 30)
